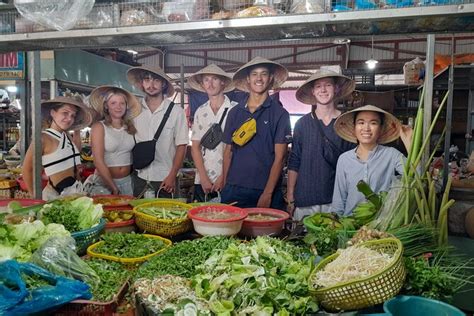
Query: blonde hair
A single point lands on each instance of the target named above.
(129, 126)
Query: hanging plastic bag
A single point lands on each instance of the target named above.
(58, 255)
(17, 299)
(60, 15)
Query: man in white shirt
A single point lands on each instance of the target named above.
(170, 147)
(213, 81)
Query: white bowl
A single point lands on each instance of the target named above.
(12, 162)
(217, 229)
(228, 225)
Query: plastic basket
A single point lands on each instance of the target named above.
(85, 238)
(162, 226)
(87, 307)
(367, 291)
(92, 253)
(125, 226)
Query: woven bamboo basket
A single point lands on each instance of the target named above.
(368, 291)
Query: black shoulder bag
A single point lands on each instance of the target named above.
(330, 151)
(214, 134)
(143, 153)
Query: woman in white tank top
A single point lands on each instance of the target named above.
(60, 156)
(112, 140)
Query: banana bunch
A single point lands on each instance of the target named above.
(331, 221)
(364, 213)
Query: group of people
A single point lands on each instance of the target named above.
(239, 148)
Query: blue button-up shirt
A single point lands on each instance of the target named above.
(378, 172)
(251, 163)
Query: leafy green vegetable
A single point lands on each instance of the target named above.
(164, 212)
(129, 245)
(112, 276)
(435, 277)
(20, 241)
(262, 277)
(183, 257)
(75, 215)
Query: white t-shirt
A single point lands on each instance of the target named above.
(203, 120)
(174, 133)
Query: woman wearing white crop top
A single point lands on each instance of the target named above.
(60, 156)
(112, 140)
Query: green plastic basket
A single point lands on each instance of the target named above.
(85, 238)
(367, 291)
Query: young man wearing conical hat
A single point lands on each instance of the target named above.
(369, 127)
(170, 148)
(213, 81)
(253, 169)
(316, 147)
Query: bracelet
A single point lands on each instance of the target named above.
(291, 202)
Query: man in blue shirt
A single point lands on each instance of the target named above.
(253, 170)
(316, 147)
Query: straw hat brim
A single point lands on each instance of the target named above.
(133, 76)
(84, 115)
(344, 86)
(195, 80)
(280, 74)
(97, 100)
(344, 125)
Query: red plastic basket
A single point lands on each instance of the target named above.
(94, 308)
(238, 213)
(271, 227)
(124, 226)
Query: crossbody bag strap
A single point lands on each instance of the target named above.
(223, 116)
(163, 121)
(323, 135)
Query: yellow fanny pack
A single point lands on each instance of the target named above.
(245, 132)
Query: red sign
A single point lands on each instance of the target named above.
(12, 66)
(9, 60)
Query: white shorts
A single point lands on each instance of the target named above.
(96, 186)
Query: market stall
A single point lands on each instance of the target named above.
(165, 256)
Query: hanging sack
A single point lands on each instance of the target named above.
(214, 134)
(247, 130)
(143, 153)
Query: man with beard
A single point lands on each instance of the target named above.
(170, 147)
(253, 167)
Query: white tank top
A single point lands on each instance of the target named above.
(64, 157)
(118, 145)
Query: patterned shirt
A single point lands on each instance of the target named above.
(204, 118)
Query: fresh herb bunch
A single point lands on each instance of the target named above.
(61, 212)
(182, 258)
(431, 278)
(112, 276)
(129, 245)
(34, 281)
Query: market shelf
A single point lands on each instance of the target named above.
(433, 19)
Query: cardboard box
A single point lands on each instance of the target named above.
(413, 71)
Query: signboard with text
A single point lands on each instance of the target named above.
(12, 66)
